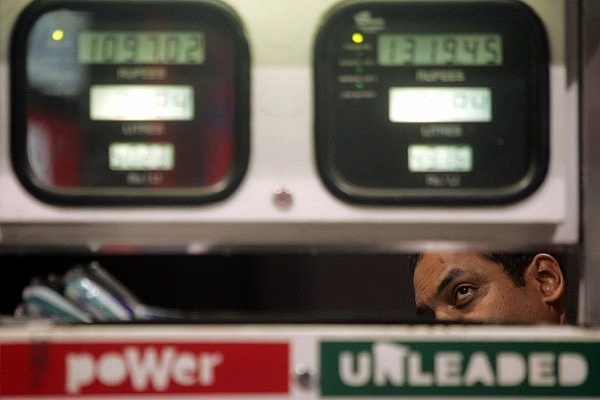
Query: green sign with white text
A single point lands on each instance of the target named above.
(522, 369)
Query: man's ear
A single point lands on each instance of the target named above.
(549, 277)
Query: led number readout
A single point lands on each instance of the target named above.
(483, 49)
(109, 47)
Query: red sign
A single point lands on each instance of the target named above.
(143, 368)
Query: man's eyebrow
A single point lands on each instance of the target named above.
(453, 274)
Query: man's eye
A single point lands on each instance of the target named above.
(463, 294)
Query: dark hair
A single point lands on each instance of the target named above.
(514, 264)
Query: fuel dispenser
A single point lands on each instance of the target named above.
(237, 185)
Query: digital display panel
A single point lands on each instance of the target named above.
(439, 49)
(440, 104)
(130, 102)
(141, 102)
(145, 47)
(424, 102)
(141, 156)
(440, 158)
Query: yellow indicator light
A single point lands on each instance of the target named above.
(58, 34)
(357, 37)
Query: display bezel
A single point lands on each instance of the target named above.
(362, 169)
(192, 13)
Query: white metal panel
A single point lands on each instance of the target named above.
(281, 36)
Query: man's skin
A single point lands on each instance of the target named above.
(469, 287)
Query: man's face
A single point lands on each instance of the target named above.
(469, 287)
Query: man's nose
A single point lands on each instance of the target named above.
(447, 314)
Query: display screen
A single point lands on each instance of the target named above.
(130, 102)
(421, 102)
(440, 104)
(440, 158)
(141, 103)
(151, 47)
(141, 156)
(439, 49)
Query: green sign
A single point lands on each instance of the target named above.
(540, 369)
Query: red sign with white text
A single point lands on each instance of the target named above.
(46, 368)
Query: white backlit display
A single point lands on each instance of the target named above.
(141, 103)
(440, 158)
(141, 156)
(440, 104)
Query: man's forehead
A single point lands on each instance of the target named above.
(440, 260)
(449, 259)
(429, 272)
(435, 270)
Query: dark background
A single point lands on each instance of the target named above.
(297, 286)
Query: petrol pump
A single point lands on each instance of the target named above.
(343, 132)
